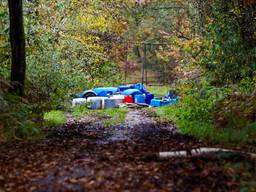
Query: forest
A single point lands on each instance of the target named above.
(50, 50)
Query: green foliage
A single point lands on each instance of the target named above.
(225, 55)
(64, 50)
(4, 43)
(55, 118)
(193, 113)
(210, 113)
(17, 120)
(80, 111)
(68, 49)
(218, 90)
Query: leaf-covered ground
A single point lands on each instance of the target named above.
(87, 156)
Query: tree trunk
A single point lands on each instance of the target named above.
(17, 38)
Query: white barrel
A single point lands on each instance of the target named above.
(78, 101)
(119, 99)
(96, 102)
(109, 103)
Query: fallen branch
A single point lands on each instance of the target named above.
(200, 151)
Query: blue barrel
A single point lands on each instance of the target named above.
(132, 92)
(123, 88)
(165, 103)
(96, 104)
(160, 102)
(156, 102)
(149, 97)
(140, 98)
(110, 103)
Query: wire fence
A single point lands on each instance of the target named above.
(142, 64)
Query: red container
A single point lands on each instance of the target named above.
(128, 99)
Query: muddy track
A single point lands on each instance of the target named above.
(86, 156)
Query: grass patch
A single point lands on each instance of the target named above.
(55, 118)
(205, 130)
(158, 91)
(80, 111)
(114, 116)
(107, 116)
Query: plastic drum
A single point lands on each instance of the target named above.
(96, 102)
(140, 98)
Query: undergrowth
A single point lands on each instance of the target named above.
(215, 115)
(17, 119)
(55, 118)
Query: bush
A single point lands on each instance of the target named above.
(192, 113)
(17, 120)
(217, 114)
(80, 111)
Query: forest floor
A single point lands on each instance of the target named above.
(85, 155)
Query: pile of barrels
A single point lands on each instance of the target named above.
(116, 100)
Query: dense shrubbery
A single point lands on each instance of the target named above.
(17, 118)
(218, 94)
(225, 56)
(219, 114)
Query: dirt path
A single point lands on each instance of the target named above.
(86, 156)
(135, 119)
